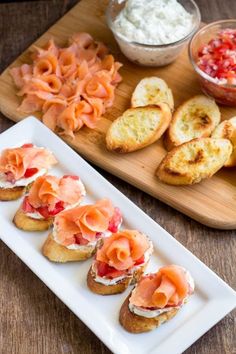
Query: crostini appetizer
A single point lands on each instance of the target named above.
(48, 196)
(156, 299)
(138, 127)
(195, 118)
(20, 166)
(119, 262)
(77, 231)
(194, 161)
(227, 130)
(152, 90)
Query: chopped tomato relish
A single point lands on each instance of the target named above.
(104, 269)
(115, 221)
(218, 57)
(30, 172)
(28, 208)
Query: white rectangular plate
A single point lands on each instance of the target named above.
(212, 300)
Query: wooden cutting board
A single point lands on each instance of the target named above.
(211, 202)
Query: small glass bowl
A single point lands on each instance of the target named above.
(148, 54)
(222, 93)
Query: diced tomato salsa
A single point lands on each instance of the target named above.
(115, 221)
(218, 57)
(30, 172)
(104, 269)
(28, 208)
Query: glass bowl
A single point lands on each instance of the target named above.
(222, 93)
(149, 54)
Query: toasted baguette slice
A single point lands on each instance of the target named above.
(138, 127)
(227, 130)
(117, 288)
(195, 118)
(193, 161)
(26, 223)
(152, 90)
(139, 324)
(7, 194)
(58, 253)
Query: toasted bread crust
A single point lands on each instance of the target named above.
(201, 121)
(120, 287)
(127, 143)
(58, 253)
(139, 324)
(24, 222)
(152, 90)
(193, 161)
(7, 194)
(227, 130)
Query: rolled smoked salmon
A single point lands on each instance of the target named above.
(71, 86)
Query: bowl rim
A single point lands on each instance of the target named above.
(192, 61)
(154, 46)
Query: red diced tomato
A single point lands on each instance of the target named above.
(26, 206)
(104, 269)
(218, 58)
(58, 208)
(79, 240)
(76, 178)
(115, 221)
(49, 213)
(44, 212)
(27, 146)
(30, 172)
(140, 260)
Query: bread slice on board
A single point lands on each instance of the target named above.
(152, 90)
(58, 253)
(227, 130)
(193, 161)
(139, 324)
(195, 118)
(138, 127)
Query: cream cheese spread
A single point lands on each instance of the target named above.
(153, 22)
(144, 312)
(22, 182)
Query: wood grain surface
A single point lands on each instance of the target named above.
(203, 202)
(32, 319)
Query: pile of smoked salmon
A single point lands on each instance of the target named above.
(72, 86)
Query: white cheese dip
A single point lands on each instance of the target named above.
(153, 22)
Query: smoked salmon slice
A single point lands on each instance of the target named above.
(86, 223)
(17, 161)
(123, 249)
(47, 191)
(83, 73)
(168, 287)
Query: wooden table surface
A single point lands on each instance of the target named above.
(32, 319)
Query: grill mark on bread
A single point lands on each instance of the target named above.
(204, 120)
(199, 157)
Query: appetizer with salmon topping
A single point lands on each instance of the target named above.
(119, 262)
(77, 231)
(156, 299)
(48, 196)
(20, 166)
